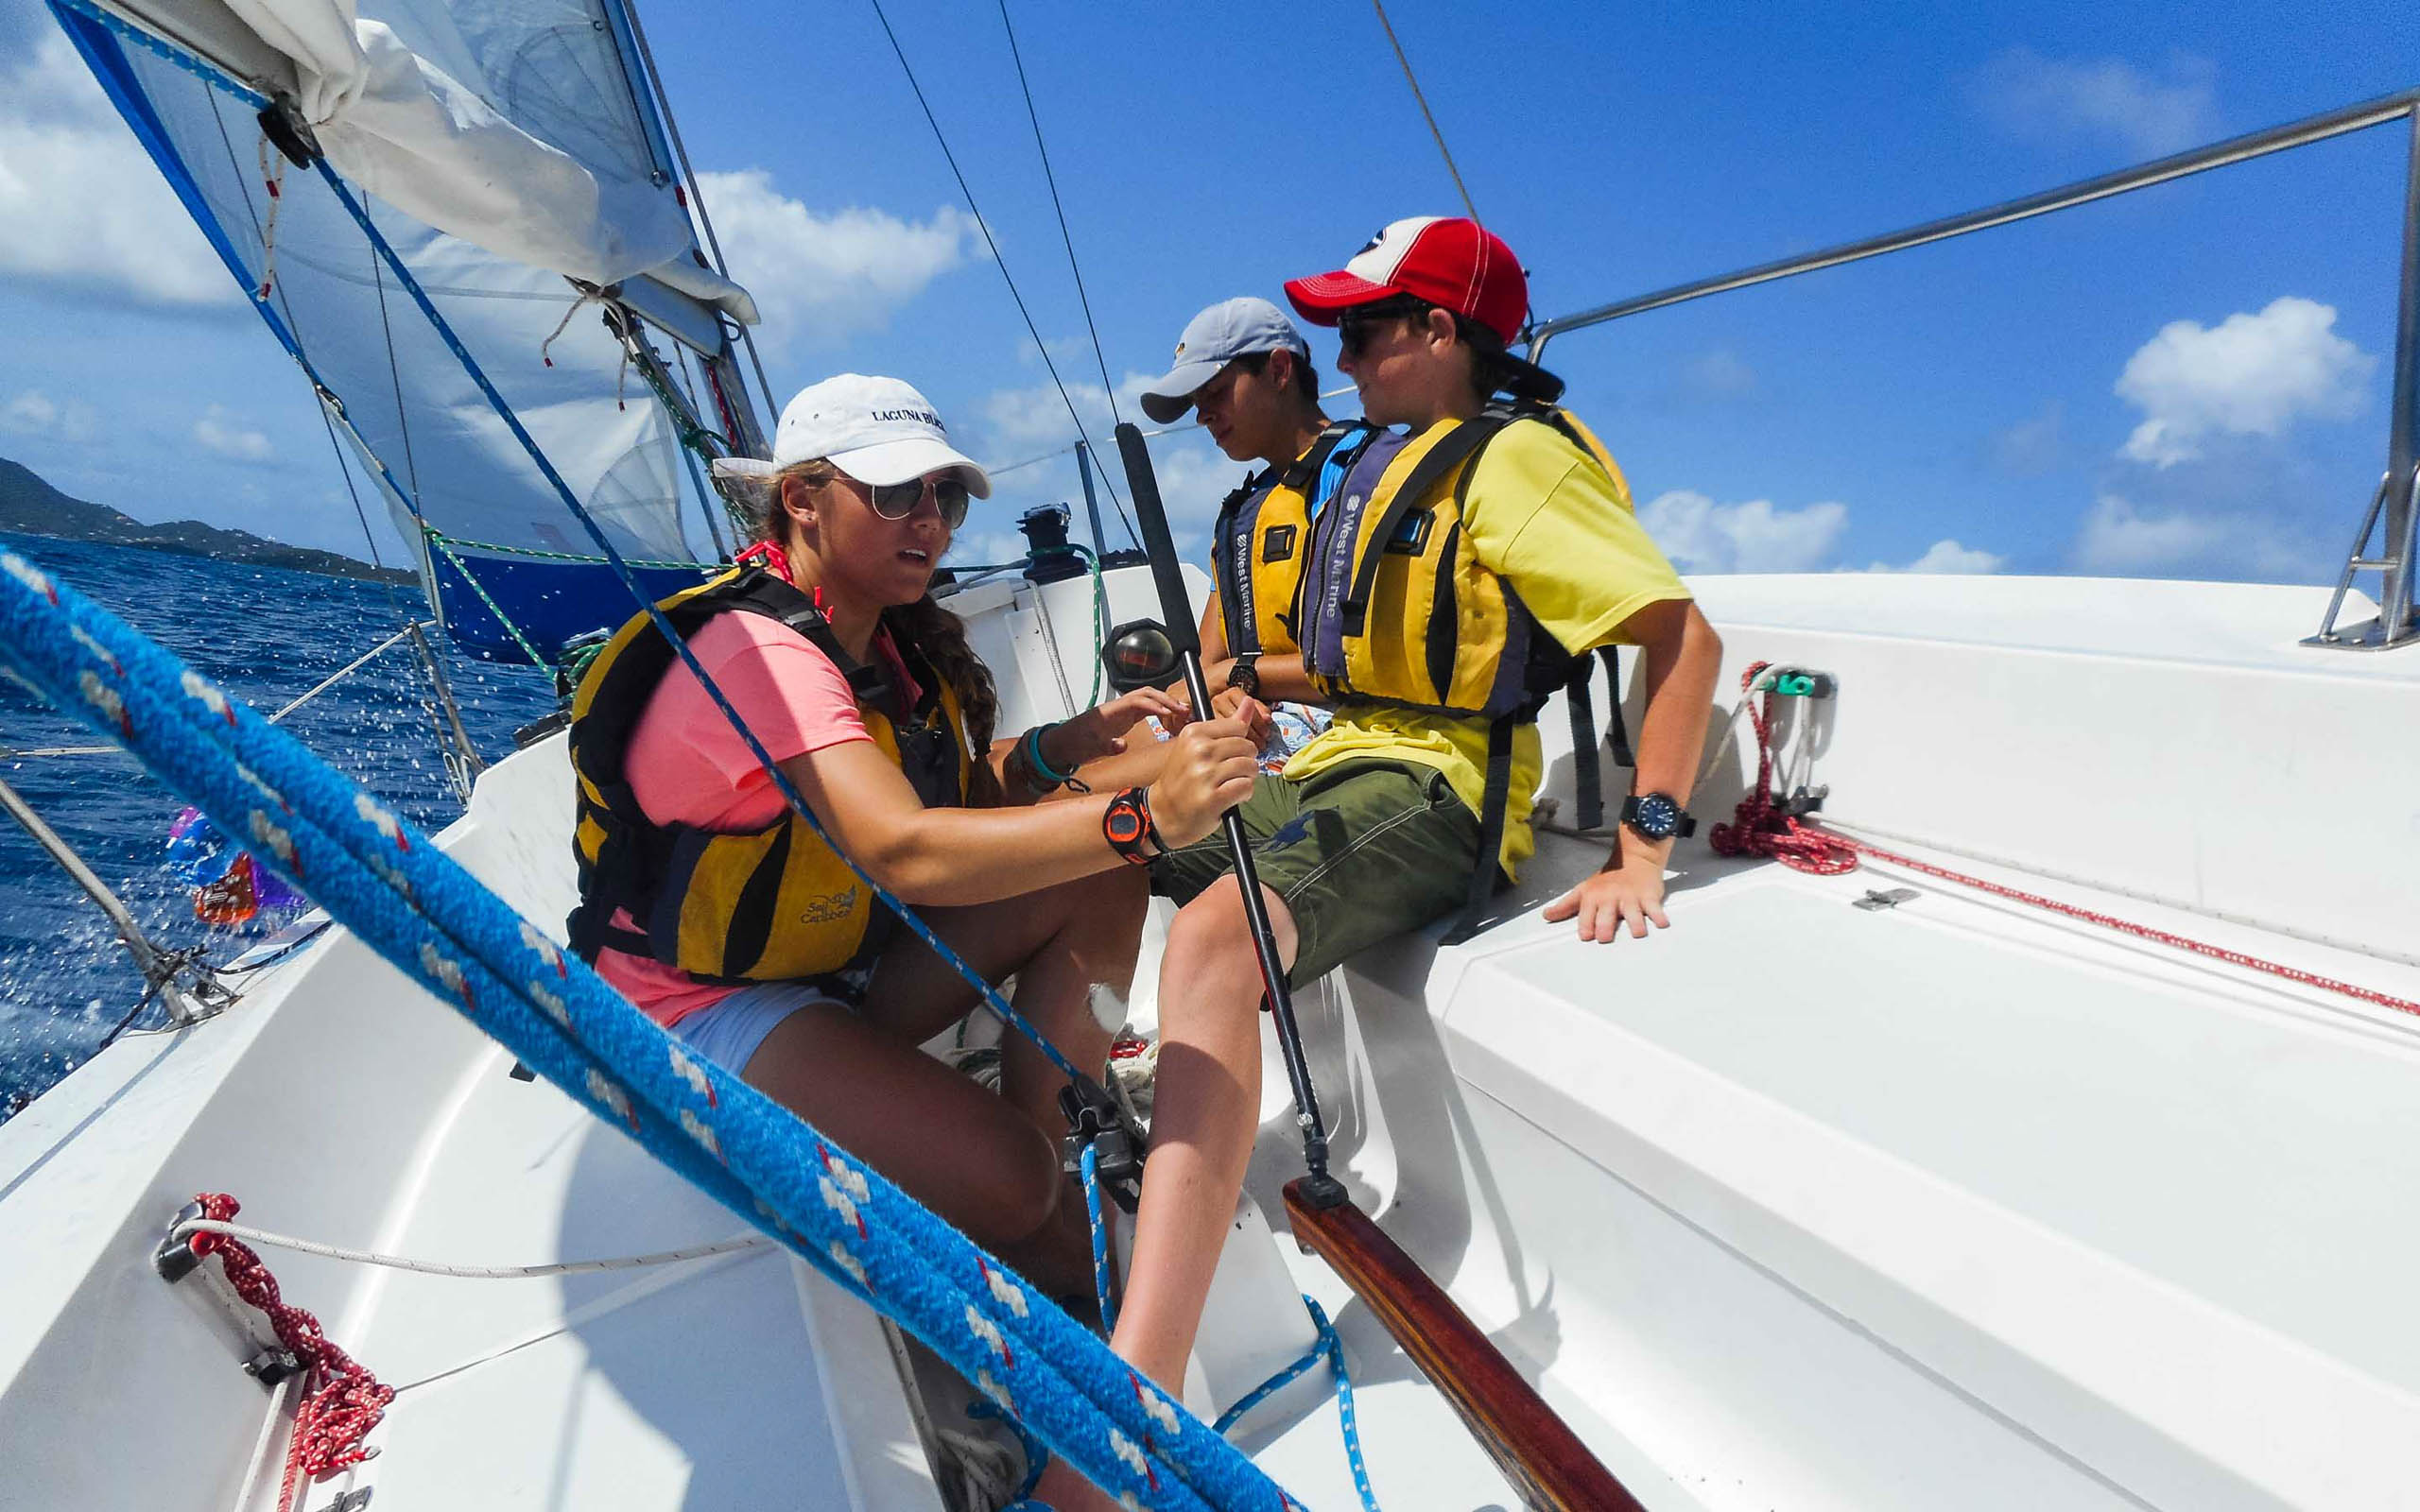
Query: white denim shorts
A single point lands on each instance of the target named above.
(728, 1032)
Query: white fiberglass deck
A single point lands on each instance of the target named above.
(1795, 1205)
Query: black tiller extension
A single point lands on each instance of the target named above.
(1176, 608)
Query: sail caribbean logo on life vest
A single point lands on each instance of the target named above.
(831, 908)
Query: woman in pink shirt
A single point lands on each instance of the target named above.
(859, 505)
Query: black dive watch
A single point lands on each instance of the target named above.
(1245, 673)
(1658, 817)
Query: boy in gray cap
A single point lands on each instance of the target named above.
(1246, 370)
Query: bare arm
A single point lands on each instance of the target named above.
(1283, 678)
(954, 855)
(1682, 657)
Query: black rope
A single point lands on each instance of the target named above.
(1065, 237)
(985, 227)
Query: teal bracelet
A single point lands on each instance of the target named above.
(1034, 758)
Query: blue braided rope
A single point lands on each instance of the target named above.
(1103, 1289)
(1328, 1347)
(389, 884)
(984, 991)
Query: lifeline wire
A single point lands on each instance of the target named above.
(1442, 151)
(985, 227)
(1067, 238)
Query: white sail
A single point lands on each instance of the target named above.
(501, 150)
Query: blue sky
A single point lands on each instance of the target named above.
(2191, 381)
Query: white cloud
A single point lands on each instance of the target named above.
(821, 275)
(2032, 446)
(1021, 422)
(1702, 536)
(1720, 373)
(2101, 98)
(1946, 557)
(2249, 375)
(79, 200)
(2122, 536)
(2117, 537)
(1029, 424)
(35, 413)
(219, 431)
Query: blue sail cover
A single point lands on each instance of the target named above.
(552, 73)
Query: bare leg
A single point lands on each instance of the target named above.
(1207, 1107)
(945, 1140)
(1057, 942)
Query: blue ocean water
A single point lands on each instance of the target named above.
(265, 635)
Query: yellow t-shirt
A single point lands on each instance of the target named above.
(1542, 514)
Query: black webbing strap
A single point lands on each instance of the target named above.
(1489, 870)
(1464, 442)
(1587, 771)
(1228, 564)
(1616, 729)
(1588, 774)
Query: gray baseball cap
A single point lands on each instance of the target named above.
(1216, 336)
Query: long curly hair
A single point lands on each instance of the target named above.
(936, 634)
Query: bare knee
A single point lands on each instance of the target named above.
(1210, 948)
(1024, 1197)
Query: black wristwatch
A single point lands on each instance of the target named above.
(1245, 673)
(1127, 825)
(1658, 817)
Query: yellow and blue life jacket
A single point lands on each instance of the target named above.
(762, 905)
(1262, 532)
(1393, 608)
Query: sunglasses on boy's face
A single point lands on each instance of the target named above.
(897, 501)
(1357, 327)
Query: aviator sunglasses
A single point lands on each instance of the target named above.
(897, 501)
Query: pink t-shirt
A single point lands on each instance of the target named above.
(687, 765)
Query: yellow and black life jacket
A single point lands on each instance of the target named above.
(1393, 608)
(1263, 529)
(762, 905)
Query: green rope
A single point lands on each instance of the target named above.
(443, 541)
(493, 608)
(693, 434)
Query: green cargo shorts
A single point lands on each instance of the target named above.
(1360, 851)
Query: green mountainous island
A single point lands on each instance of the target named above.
(31, 507)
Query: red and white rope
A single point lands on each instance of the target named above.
(341, 1401)
(1759, 827)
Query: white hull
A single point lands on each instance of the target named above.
(1957, 1204)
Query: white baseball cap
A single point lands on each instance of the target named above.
(877, 430)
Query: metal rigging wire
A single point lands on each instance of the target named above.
(697, 196)
(1468, 209)
(319, 396)
(1000, 262)
(1065, 237)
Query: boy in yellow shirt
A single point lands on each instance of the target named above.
(1459, 569)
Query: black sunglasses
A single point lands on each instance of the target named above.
(897, 501)
(1354, 327)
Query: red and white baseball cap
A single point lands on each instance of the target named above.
(1448, 261)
